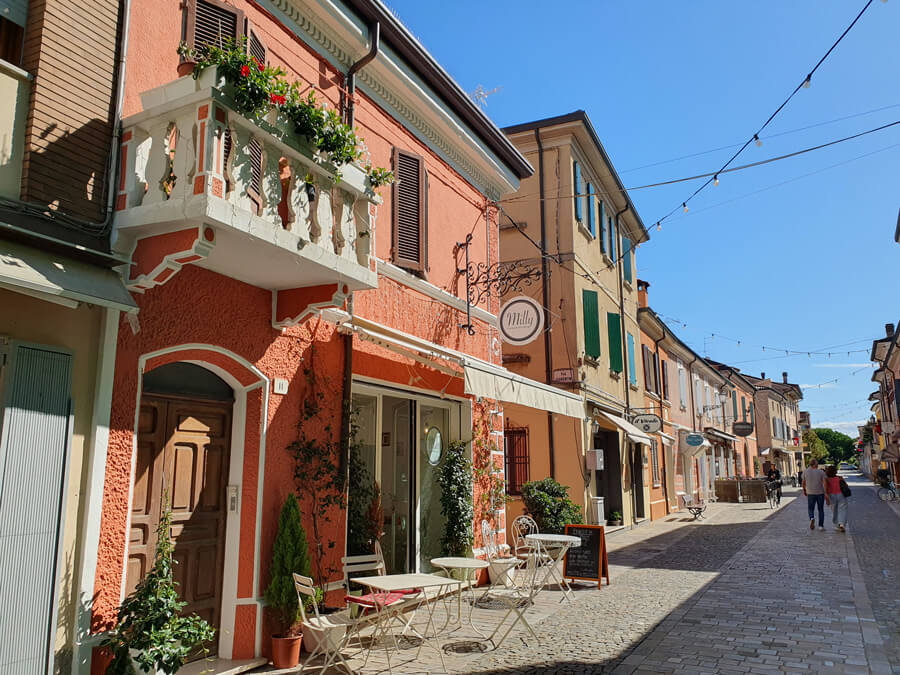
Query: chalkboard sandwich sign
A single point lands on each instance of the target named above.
(587, 562)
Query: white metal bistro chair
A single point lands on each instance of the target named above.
(338, 623)
(501, 570)
(521, 527)
(517, 599)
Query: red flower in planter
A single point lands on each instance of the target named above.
(245, 71)
(261, 66)
(277, 99)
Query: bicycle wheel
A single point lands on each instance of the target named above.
(885, 494)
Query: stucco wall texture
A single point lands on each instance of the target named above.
(199, 307)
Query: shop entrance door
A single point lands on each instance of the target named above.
(637, 479)
(609, 480)
(401, 443)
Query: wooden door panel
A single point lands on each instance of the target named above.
(184, 449)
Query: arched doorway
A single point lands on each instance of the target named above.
(183, 454)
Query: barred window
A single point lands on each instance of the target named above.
(515, 442)
(654, 462)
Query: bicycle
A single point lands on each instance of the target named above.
(888, 492)
(772, 493)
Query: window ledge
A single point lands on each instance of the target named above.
(591, 361)
(586, 232)
(652, 395)
(608, 260)
(627, 285)
(633, 387)
(614, 375)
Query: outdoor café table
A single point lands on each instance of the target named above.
(555, 546)
(468, 566)
(391, 583)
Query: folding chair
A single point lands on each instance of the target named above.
(326, 647)
(501, 569)
(518, 599)
(521, 527)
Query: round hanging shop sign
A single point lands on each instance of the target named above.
(521, 320)
(647, 422)
(694, 440)
(742, 428)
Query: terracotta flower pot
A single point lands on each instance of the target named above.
(286, 651)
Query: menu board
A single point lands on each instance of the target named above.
(588, 561)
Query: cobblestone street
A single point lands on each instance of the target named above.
(747, 590)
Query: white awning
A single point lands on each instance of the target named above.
(59, 279)
(722, 435)
(481, 378)
(666, 439)
(634, 434)
(765, 451)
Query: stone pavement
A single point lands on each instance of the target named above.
(748, 590)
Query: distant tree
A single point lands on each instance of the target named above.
(840, 446)
(817, 448)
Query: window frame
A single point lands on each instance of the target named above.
(420, 265)
(190, 20)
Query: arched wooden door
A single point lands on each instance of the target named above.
(183, 453)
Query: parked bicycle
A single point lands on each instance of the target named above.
(772, 493)
(888, 492)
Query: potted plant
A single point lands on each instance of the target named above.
(151, 634)
(548, 503)
(289, 555)
(615, 519)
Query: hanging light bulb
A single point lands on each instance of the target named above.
(807, 81)
(684, 206)
(659, 226)
(716, 179)
(758, 142)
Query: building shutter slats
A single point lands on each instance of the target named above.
(409, 211)
(590, 210)
(614, 329)
(648, 373)
(626, 259)
(612, 239)
(515, 440)
(214, 23)
(256, 47)
(656, 373)
(254, 149)
(576, 174)
(632, 366)
(602, 215)
(665, 380)
(591, 323)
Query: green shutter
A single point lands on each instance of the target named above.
(602, 226)
(743, 409)
(591, 324)
(590, 209)
(632, 366)
(752, 420)
(576, 171)
(612, 240)
(626, 258)
(734, 404)
(614, 329)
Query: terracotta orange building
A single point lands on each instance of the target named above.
(277, 302)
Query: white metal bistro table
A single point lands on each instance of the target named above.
(555, 547)
(469, 566)
(392, 583)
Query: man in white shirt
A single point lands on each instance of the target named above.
(814, 489)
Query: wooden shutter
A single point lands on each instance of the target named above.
(648, 371)
(602, 214)
(212, 22)
(576, 190)
(591, 324)
(734, 404)
(665, 380)
(255, 46)
(408, 195)
(743, 409)
(516, 457)
(254, 149)
(614, 329)
(626, 259)
(612, 239)
(632, 366)
(656, 373)
(590, 209)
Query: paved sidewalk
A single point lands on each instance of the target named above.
(748, 590)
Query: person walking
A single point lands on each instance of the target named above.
(836, 490)
(814, 489)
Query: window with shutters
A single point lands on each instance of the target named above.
(591, 324)
(576, 183)
(590, 210)
(656, 373)
(647, 359)
(409, 215)
(682, 386)
(734, 404)
(612, 239)
(632, 366)
(601, 212)
(212, 22)
(743, 409)
(626, 260)
(665, 380)
(654, 463)
(255, 46)
(614, 330)
(515, 442)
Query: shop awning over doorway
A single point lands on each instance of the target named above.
(720, 435)
(634, 434)
(59, 279)
(480, 377)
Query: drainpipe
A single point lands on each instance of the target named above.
(375, 41)
(349, 106)
(545, 284)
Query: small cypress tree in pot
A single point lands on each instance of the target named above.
(290, 554)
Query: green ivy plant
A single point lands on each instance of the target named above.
(493, 486)
(365, 515)
(455, 478)
(151, 632)
(548, 503)
(290, 554)
(257, 88)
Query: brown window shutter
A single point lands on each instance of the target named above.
(648, 375)
(408, 194)
(212, 22)
(255, 46)
(254, 149)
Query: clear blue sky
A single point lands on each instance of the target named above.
(801, 265)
